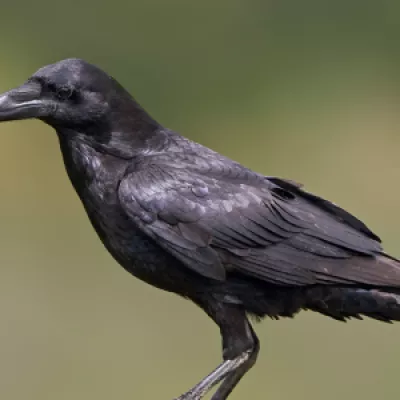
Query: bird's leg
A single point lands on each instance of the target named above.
(240, 350)
(233, 378)
(222, 371)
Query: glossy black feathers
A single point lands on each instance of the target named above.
(188, 220)
(267, 228)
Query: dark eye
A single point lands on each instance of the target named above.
(65, 93)
(61, 92)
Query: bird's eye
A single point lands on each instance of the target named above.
(64, 92)
(61, 92)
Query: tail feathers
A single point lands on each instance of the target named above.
(344, 303)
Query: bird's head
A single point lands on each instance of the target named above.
(68, 93)
(74, 95)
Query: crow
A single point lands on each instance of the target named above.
(188, 220)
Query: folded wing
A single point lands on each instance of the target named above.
(272, 231)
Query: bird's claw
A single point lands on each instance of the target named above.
(189, 396)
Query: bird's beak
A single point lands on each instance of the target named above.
(22, 103)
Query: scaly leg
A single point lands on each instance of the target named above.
(240, 350)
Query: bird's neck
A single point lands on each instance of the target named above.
(119, 140)
(89, 159)
(86, 165)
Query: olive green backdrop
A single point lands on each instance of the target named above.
(306, 90)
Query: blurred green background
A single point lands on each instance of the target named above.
(306, 90)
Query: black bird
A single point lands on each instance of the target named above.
(188, 220)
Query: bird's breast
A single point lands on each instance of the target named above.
(96, 179)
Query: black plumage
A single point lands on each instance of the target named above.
(188, 220)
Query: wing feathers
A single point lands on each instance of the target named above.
(283, 236)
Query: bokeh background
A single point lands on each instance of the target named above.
(306, 90)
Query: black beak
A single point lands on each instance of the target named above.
(22, 103)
